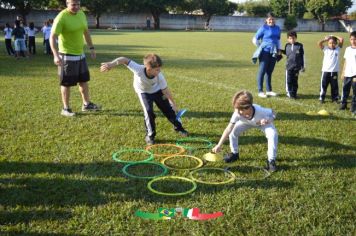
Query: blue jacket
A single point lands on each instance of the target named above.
(264, 45)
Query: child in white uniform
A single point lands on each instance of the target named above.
(248, 115)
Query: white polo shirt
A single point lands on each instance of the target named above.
(7, 32)
(331, 59)
(260, 113)
(350, 58)
(142, 83)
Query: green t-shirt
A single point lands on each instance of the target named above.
(70, 29)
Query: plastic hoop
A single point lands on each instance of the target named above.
(149, 186)
(266, 175)
(181, 150)
(182, 140)
(200, 162)
(116, 156)
(164, 172)
(231, 179)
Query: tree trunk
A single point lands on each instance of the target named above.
(155, 14)
(97, 22)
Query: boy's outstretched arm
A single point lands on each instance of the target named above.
(106, 66)
(224, 136)
(321, 42)
(167, 93)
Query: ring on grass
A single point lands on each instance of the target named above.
(200, 162)
(181, 142)
(151, 148)
(116, 155)
(126, 167)
(231, 178)
(149, 186)
(266, 174)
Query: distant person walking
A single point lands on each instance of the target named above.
(8, 35)
(69, 27)
(148, 23)
(267, 39)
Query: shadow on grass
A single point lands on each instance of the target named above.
(304, 116)
(23, 233)
(16, 217)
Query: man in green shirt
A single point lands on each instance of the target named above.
(68, 29)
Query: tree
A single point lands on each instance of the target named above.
(98, 7)
(215, 7)
(255, 8)
(283, 8)
(24, 7)
(324, 9)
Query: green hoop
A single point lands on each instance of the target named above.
(116, 156)
(187, 147)
(149, 186)
(231, 179)
(124, 170)
(200, 162)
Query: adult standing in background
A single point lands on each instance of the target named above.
(69, 27)
(267, 39)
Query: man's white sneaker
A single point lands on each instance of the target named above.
(272, 94)
(67, 112)
(262, 95)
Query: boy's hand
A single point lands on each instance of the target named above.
(302, 70)
(263, 122)
(216, 149)
(106, 66)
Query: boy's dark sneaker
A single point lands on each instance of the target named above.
(149, 140)
(343, 106)
(335, 100)
(271, 166)
(182, 132)
(231, 157)
(322, 101)
(91, 107)
(353, 108)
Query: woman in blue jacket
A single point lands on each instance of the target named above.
(267, 39)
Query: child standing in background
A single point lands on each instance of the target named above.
(8, 35)
(295, 63)
(349, 75)
(330, 67)
(31, 38)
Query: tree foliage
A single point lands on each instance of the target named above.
(283, 8)
(24, 7)
(255, 8)
(215, 7)
(98, 7)
(324, 9)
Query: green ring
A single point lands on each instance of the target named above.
(116, 155)
(182, 140)
(124, 170)
(232, 178)
(200, 162)
(149, 186)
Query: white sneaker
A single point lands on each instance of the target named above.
(272, 94)
(67, 112)
(262, 95)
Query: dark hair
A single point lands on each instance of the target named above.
(32, 25)
(270, 14)
(333, 38)
(292, 33)
(7, 25)
(353, 34)
(17, 23)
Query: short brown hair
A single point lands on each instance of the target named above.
(152, 60)
(242, 100)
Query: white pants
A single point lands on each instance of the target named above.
(270, 133)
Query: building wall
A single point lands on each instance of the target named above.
(175, 22)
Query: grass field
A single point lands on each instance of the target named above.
(57, 176)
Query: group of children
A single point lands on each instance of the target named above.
(25, 38)
(151, 87)
(330, 68)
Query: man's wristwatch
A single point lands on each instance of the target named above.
(91, 48)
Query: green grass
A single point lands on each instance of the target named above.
(57, 176)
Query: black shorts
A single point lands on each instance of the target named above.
(74, 70)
